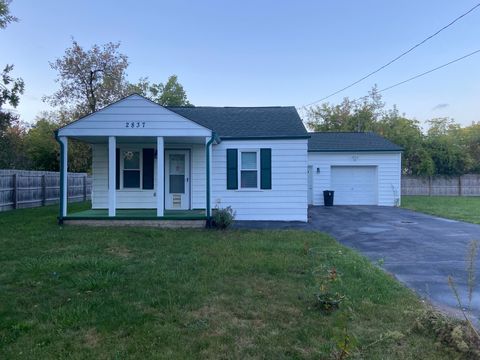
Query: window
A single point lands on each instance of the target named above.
(131, 169)
(249, 169)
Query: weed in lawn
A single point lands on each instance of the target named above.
(471, 260)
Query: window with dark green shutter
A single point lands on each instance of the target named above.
(232, 169)
(265, 168)
(148, 168)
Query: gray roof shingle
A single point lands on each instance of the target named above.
(349, 141)
(244, 122)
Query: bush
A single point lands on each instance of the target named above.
(223, 218)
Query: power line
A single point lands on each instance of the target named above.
(421, 74)
(398, 57)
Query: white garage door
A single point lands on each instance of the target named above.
(354, 185)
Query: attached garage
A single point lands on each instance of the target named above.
(362, 168)
(354, 185)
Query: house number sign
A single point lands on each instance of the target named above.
(135, 124)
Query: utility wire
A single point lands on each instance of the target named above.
(421, 74)
(398, 57)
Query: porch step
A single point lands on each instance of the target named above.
(170, 224)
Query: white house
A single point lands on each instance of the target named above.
(158, 163)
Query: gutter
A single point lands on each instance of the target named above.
(207, 154)
(60, 214)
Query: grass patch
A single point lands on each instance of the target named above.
(70, 292)
(451, 207)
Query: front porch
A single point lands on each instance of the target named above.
(148, 162)
(169, 180)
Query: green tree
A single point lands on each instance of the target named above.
(10, 88)
(41, 147)
(446, 148)
(470, 137)
(89, 79)
(349, 115)
(416, 160)
(171, 93)
(10, 91)
(5, 16)
(12, 147)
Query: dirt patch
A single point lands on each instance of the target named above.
(91, 338)
(120, 251)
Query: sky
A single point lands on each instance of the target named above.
(263, 52)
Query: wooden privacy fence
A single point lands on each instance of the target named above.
(24, 188)
(465, 185)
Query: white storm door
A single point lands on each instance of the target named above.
(177, 179)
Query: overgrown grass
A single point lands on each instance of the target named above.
(451, 207)
(70, 292)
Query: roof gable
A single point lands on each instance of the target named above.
(349, 141)
(134, 115)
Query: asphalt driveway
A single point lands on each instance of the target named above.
(418, 249)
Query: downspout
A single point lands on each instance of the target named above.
(209, 143)
(60, 215)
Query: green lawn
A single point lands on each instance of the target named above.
(70, 292)
(451, 207)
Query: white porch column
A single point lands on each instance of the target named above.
(112, 196)
(160, 176)
(64, 175)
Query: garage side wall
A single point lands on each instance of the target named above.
(388, 171)
(287, 200)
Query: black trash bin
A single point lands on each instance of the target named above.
(328, 197)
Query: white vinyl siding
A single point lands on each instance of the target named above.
(287, 200)
(145, 199)
(388, 173)
(134, 116)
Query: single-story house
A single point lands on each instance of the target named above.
(178, 163)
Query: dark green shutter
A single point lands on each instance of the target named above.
(117, 168)
(232, 169)
(148, 166)
(265, 168)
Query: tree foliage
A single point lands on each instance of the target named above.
(171, 93)
(349, 115)
(89, 79)
(10, 90)
(445, 149)
(5, 16)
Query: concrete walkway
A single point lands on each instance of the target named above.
(419, 249)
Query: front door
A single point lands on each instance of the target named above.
(177, 179)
